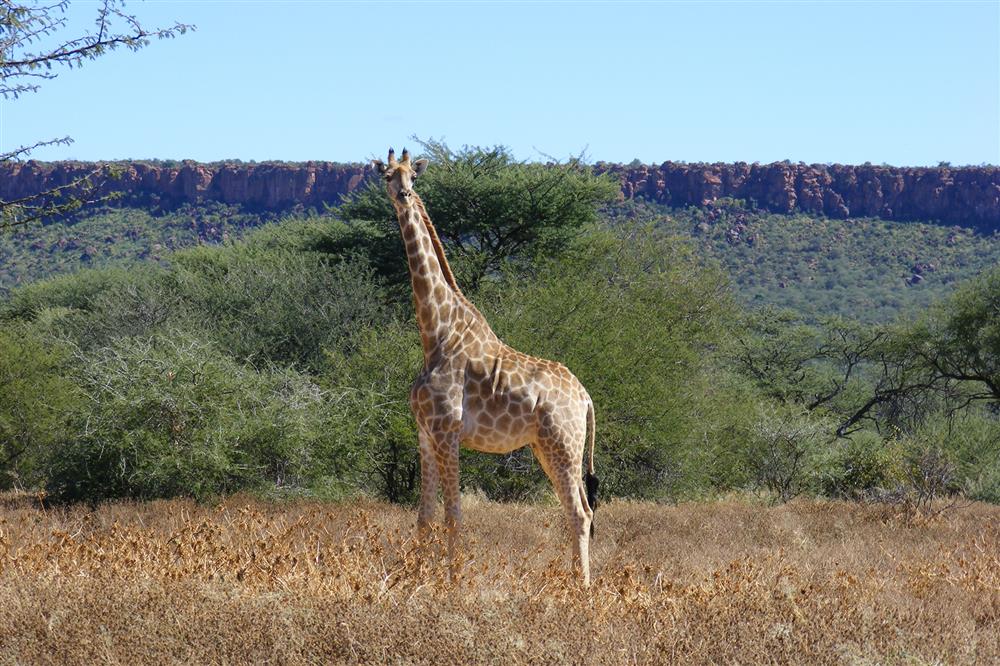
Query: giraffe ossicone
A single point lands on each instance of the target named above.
(478, 392)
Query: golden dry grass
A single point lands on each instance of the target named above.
(724, 582)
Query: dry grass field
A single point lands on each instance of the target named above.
(724, 582)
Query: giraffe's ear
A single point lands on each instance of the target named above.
(419, 166)
(379, 166)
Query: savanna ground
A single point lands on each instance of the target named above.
(308, 582)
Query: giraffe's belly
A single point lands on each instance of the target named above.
(499, 424)
(495, 443)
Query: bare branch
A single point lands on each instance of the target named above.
(16, 154)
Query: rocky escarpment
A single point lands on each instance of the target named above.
(966, 195)
(270, 186)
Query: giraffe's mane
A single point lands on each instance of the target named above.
(436, 243)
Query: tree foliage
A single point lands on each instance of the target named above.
(960, 338)
(375, 422)
(167, 415)
(489, 208)
(637, 319)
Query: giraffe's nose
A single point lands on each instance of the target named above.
(405, 194)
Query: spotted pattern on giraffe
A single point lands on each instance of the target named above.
(475, 391)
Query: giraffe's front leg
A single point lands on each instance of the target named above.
(428, 486)
(446, 450)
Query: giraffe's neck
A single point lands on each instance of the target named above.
(437, 303)
(449, 323)
(449, 277)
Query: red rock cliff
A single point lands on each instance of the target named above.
(269, 186)
(966, 195)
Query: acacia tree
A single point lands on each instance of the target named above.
(948, 360)
(487, 207)
(960, 338)
(862, 374)
(36, 41)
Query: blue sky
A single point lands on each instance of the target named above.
(905, 83)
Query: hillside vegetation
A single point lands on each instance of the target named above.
(306, 582)
(123, 236)
(867, 269)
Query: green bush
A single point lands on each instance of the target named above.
(36, 399)
(984, 485)
(275, 306)
(373, 418)
(169, 415)
(784, 446)
(512, 477)
(862, 467)
(960, 337)
(258, 304)
(75, 292)
(958, 453)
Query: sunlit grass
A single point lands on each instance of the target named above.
(308, 582)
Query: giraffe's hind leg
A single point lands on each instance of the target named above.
(428, 485)
(563, 466)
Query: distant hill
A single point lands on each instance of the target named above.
(968, 196)
(116, 236)
(863, 268)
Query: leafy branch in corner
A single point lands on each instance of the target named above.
(34, 44)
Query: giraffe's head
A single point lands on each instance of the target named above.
(399, 176)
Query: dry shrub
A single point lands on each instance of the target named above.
(307, 582)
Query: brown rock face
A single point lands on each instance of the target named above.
(267, 186)
(966, 196)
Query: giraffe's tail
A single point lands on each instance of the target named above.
(590, 478)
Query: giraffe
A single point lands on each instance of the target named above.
(478, 392)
